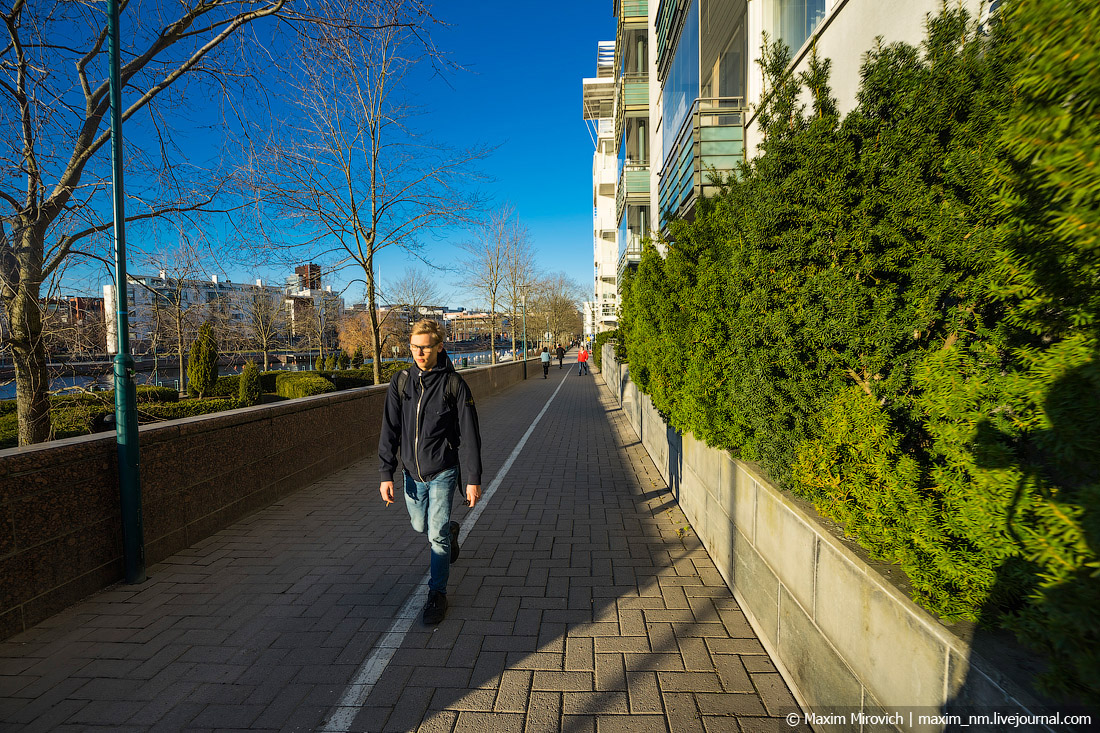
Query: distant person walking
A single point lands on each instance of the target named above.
(431, 422)
(582, 361)
(545, 358)
(561, 355)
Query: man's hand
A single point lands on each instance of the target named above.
(473, 493)
(386, 489)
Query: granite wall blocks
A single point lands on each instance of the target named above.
(60, 537)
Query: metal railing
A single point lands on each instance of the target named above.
(711, 136)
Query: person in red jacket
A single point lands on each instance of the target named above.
(582, 361)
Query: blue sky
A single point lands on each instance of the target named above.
(520, 91)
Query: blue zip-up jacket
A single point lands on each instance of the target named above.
(431, 434)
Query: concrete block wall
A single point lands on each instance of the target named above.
(846, 637)
(60, 533)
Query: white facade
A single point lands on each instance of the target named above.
(601, 311)
(847, 30)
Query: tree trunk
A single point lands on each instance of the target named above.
(31, 378)
(372, 320)
(179, 351)
(22, 280)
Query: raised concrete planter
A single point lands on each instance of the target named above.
(841, 628)
(60, 534)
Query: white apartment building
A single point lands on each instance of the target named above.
(599, 108)
(150, 299)
(686, 82)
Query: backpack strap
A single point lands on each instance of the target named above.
(450, 390)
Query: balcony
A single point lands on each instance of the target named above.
(712, 139)
(633, 186)
(632, 9)
(632, 99)
(630, 255)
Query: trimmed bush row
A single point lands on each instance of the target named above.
(293, 385)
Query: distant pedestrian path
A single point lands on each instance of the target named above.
(582, 601)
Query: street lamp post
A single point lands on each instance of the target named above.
(126, 427)
(523, 300)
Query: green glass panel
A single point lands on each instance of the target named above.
(722, 133)
(721, 162)
(724, 147)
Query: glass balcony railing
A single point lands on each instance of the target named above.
(633, 99)
(711, 140)
(632, 9)
(633, 186)
(630, 254)
(634, 90)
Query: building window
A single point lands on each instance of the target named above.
(793, 21)
(681, 87)
(723, 49)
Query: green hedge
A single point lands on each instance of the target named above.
(228, 385)
(302, 384)
(897, 314)
(349, 378)
(186, 408)
(597, 348)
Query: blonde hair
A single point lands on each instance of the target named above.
(431, 327)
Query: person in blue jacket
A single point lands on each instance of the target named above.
(431, 421)
(545, 358)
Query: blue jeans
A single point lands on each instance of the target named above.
(582, 368)
(429, 505)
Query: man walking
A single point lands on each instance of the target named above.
(431, 420)
(561, 355)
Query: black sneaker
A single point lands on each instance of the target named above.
(436, 608)
(454, 541)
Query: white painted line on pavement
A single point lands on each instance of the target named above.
(368, 674)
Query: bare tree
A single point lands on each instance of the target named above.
(358, 179)
(414, 290)
(485, 267)
(53, 76)
(519, 272)
(167, 306)
(555, 306)
(267, 321)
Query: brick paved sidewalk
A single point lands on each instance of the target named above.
(582, 602)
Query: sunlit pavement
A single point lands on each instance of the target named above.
(582, 602)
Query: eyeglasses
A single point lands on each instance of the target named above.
(422, 349)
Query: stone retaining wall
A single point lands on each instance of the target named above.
(60, 534)
(841, 628)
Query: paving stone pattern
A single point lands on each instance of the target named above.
(582, 602)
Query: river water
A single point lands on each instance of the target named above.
(170, 377)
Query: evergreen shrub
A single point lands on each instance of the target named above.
(896, 313)
(597, 349)
(228, 385)
(343, 361)
(185, 408)
(357, 358)
(302, 384)
(267, 380)
(202, 363)
(250, 389)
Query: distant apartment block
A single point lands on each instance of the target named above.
(152, 300)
